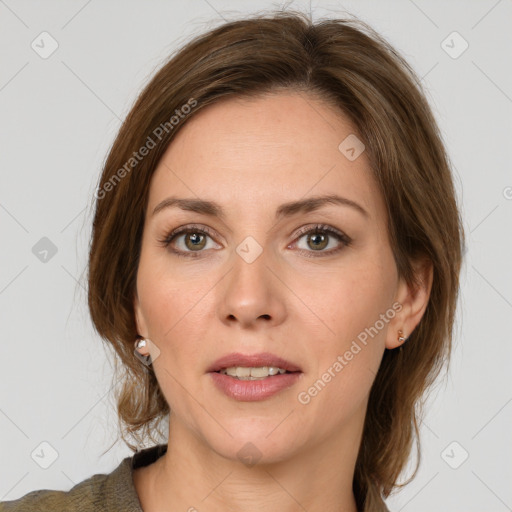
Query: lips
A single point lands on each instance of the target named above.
(253, 360)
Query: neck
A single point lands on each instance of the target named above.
(192, 477)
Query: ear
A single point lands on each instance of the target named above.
(140, 321)
(414, 300)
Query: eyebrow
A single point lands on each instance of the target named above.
(307, 205)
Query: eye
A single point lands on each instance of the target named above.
(319, 237)
(192, 240)
(188, 241)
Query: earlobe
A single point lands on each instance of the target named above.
(414, 298)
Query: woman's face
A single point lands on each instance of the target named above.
(248, 279)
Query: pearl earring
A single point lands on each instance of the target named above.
(145, 359)
(140, 343)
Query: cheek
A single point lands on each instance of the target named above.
(347, 359)
(347, 335)
(175, 307)
(346, 303)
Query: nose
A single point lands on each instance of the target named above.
(252, 295)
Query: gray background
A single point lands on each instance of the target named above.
(58, 117)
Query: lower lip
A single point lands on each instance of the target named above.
(254, 390)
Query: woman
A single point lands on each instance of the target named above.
(277, 232)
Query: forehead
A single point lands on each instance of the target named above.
(253, 154)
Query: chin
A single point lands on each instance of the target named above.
(256, 441)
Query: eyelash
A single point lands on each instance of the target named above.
(316, 229)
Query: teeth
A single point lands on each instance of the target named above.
(252, 373)
(243, 372)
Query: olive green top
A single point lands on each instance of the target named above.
(112, 492)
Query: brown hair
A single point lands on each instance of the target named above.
(346, 63)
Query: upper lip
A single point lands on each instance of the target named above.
(252, 360)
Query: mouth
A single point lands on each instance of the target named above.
(253, 377)
(253, 366)
(252, 373)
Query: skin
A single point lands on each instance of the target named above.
(251, 156)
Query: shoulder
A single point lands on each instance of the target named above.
(85, 496)
(114, 491)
